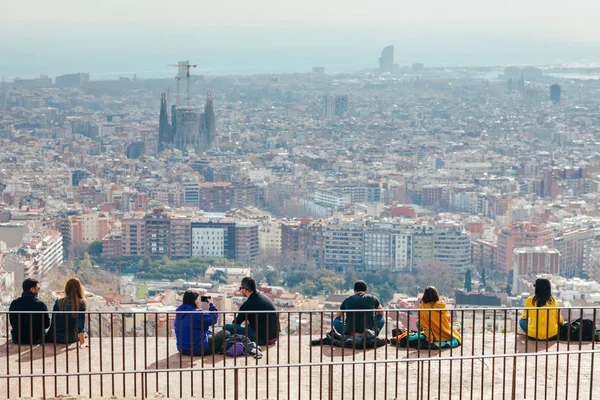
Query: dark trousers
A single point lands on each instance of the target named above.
(215, 341)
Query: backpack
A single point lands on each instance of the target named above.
(412, 339)
(572, 330)
(417, 340)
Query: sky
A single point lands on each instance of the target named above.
(240, 36)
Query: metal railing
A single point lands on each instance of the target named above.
(134, 354)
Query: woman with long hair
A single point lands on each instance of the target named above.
(435, 319)
(69, 327)
(541, 324)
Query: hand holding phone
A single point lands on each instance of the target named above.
(205, 299)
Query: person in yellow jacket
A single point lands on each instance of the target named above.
(436, 325)
(541, 324)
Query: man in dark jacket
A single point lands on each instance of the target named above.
(358, 322)
(260, 327)
(28, 328)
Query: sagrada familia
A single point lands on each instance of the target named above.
(188, 129)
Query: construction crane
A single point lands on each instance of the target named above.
(187, 65)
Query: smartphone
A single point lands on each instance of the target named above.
(204, 299)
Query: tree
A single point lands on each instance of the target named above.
(76, 250)
(349, 279)
(86, 263)
(468, 283)
(386, 293)
(95, 249)
(439, 275)
(219, 277)
(509, 289)
(482, 278)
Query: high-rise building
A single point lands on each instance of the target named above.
(335, 106)
(158, 233)
(246, 241)
(207, 236)
(555, 93)
(573, 245)
(72, 80)
(134, 235)
(518, 236)
(530, 261)
(386, 61)
(341, 106)
(329, 107)
(208, 242)
(208, 130)
(451, 245)
(180, 241)
(319, 71)
(112, 246)
(216, 196)
(344, 246)
(87, 228)
(191, 194)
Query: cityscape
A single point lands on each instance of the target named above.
(478, 180)
(393, 169)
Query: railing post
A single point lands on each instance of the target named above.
(330, 390)
(235, 384)
(143, 382)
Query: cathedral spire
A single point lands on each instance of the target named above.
(164, 128)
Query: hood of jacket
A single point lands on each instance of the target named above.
(438, 304)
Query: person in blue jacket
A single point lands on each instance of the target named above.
(193, 326)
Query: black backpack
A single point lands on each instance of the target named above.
(578, 329)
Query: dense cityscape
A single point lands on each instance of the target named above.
(403, 176)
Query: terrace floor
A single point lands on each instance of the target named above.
(407, 374)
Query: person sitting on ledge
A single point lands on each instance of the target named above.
(193, 326)
(69, 328)
(28, 328)
(260, 327)
(538, 324)
(436, 325)
(359, 322)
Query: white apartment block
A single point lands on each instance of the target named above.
(269, 236)
(331, 198)
(52, 251)
(410, 247)
(84, 228)
(208, 242)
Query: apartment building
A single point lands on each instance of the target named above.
(344, 246)
(246, 241)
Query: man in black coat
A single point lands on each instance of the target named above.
(358, 322)
(260, 327)
(28, 328)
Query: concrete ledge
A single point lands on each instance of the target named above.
(407, 377)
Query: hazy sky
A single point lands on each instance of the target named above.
(41, 36)
(579, 15)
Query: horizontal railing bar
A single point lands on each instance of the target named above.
(285, 311)
(314, 364)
